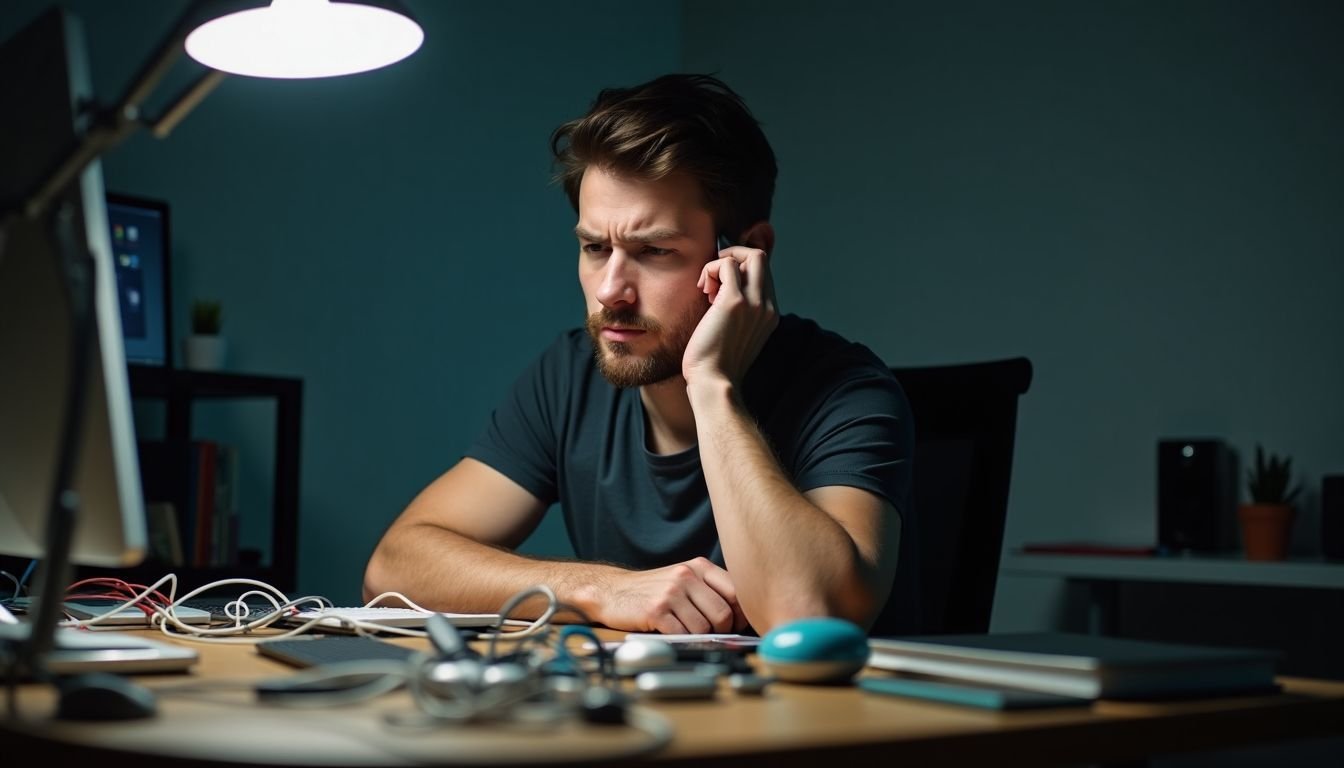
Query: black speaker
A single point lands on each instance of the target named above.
(1332, 517)
(1196, 495)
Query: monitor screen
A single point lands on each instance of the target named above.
(41, 127)
(140, 251)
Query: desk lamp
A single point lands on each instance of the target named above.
(285, 39)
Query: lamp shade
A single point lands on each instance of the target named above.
(305, 38)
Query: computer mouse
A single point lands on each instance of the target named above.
(820, 649)
(640, 654)
(103, 696)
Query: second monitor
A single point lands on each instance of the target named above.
(141, 250)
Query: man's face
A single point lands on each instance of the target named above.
(642, 245)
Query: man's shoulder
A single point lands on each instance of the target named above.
(801, 340)
(570, 350)
(565, 371)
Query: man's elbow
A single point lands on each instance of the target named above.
(859, 605)
(378, 577)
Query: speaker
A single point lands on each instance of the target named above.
(1332, 517)
(1196, 495)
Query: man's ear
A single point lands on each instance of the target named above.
(760, 235)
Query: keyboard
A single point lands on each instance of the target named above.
(331, 618)
(216, 608)
(328, 649)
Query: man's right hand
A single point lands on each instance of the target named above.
(693, 597)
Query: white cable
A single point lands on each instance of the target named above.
(444, 701)
(18, 588)
(538, 625)
(531, 629)
(130, 603)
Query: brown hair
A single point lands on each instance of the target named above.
(679, 122)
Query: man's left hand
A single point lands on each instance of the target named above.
(741, 316)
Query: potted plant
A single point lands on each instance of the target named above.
(205, 346)
(1268, 518)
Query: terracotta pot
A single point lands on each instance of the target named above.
(1265, 529)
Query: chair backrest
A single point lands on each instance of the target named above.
(965, 420)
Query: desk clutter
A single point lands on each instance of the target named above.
(501, 673)
(478, 669)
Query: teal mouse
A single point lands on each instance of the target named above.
(820, 649)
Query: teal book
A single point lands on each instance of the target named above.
(968, 695)
(1081, 666)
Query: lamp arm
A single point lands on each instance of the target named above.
(185, 102)
(110, 126)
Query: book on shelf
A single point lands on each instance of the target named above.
(223, 549)
(1085, 666)
(204, 458)
(210, 524)
(165, 540)
(201, 531)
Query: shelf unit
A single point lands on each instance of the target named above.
(1302, 573)
(180, 390)
(1102, 575)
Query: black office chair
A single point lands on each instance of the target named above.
(965, 419)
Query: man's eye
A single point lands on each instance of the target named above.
(594, 247)
(650, 250)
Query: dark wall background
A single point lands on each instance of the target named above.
(391, 237)
(1144, 198)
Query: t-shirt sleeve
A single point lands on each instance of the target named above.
(860, 434)
(521, 438)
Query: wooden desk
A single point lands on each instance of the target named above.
(790, 724)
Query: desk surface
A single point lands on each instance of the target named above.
(211, 714)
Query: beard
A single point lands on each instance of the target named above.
(619, 364)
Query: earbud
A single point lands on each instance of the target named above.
(640, 654)
(459, 673)
(504, 673)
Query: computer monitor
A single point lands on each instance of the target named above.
(44, 122)
(141, 254)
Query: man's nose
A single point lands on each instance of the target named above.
(617, 287)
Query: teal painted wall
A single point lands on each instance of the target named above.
(1147, 199)
(1144, 198)
(391, 237)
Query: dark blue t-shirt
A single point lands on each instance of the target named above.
(830, 409)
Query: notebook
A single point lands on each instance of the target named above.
(316, 651)
(77, 650)
(91, 608)
(219, 608)
(1084, 666)
(968, 694)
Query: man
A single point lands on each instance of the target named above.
(720, 467)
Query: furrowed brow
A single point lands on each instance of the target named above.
(650, 236)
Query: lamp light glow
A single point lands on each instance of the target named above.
(305, 39)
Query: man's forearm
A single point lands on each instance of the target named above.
(787, 557)
(445, 571)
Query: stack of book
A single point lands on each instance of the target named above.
(1081, 666)
(204, 532)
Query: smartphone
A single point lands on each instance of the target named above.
(724, 242)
